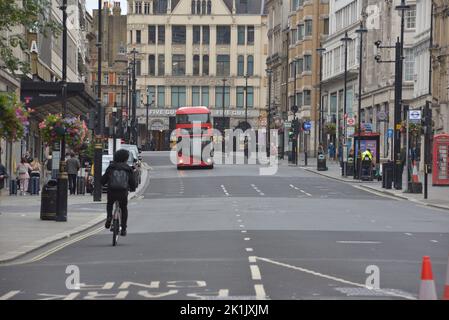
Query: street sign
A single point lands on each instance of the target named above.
(415, 115)
(287, 124)
(390, 133)
(382, 116)
(350, 121)
(368, 127)
(307, 125)
(350, 131)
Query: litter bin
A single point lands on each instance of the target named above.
(48, 200)
(387, 175)
(321, 163)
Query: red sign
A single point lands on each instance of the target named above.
(440, 170)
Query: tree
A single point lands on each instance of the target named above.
(33, 15)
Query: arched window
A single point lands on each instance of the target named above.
(250, 66)
(193, 6)
(198, 6)
(203, 7)
(241, 66)
(209, 7)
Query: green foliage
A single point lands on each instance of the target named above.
(33, 15)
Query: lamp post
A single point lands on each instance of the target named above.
(246, 100)
(269, 73)
(62, 179)
(320, 51)
(99, 125)
(361, 30)
(295, 110)
(345, 39)
(134, 99)
(128, 104)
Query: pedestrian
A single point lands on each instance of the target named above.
(35, 175)
(331, 151)
(3, 176)
(23, 170)
(73, 165)
(28, 157)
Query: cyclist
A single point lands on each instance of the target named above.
(119, 177)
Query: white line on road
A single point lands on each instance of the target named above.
(247, 239)
(242, 226)
(243, 231)
(408, 234)
(260, 292)
(359, 242)
(11, 294)
(255, 272)
(434, 241)
(249, 249)
(252, 259)
(332, 278)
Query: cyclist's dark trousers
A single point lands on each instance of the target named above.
(122, 198)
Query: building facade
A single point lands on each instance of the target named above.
(308, 27)
(185, 51)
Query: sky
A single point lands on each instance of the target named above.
(93, 4)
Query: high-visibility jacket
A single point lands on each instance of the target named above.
(367, 155)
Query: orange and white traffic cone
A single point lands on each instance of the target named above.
(427, 289)
(415, 176)
(446, 285)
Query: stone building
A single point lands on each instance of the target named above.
(185, 50)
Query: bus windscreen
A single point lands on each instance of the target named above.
(191, 118)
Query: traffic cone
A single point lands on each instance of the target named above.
(446, 285)
(415, 177)
(427, 289)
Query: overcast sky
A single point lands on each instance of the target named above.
(93, 4)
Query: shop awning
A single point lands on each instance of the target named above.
(46, 97)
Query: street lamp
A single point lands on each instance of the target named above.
(269, 73)
(134, 98)
(62, 179)
(320, 51)
(345, 40)
(361, 30)
(223, 107)
(246, 100)
(295, 110)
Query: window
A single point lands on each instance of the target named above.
(299, 99)
(409, 64)
(205, 65)
(105, 78)
(105, 99)
(147, 8)
(131, 36)
(160, 34)
(196, 65)
(137, 97)
(205, 34)
(308, 28)
(300, 65)
(241, 35)
(178, 34)
(294, 35)
(193, 10)
(161, 96)
(196, 34)
(240, 97)
(219, 97)
(138, 7)
(205, 96)
(151, 65)
(203, 7)
(250, 66)
(301, 32)
(178, 65)
(160, 6)
(138, 70)
(250, 36)
(410, 18)
(307, 97)
(138, 36)
(161, 65)
(196, 96)
(240, 66)
(178, 96)
(307, 62)
(326, 26)
(223, 65)
(250, 97)
(209, 6)
(151, 94)
(151, 34)
(223, 34)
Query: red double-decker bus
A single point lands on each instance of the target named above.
(192, 124)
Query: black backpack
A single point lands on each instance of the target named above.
(119, 180)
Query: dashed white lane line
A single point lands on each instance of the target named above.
(257, 189)
(252, 259)
(239, 220)
(224, 190)
(243, 231)
(9, 295)
(247, 239)
(302, 191)
(333, 278)
(249, 249)
(359, 242)
(408, 234)
(260, 292)
(434, 241)
(242, 226)
(255, 272)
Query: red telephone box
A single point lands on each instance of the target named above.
(440, 170)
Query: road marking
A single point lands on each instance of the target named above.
(239, 220)
(247, 239)
(243, 231)
(249, 249)
(408, 234)
(237, 215)
(252, 259)
(9, 295)
(257, 190)
(333, 278)
(434, 241)
(224, 190)
(255, 272)
(260, 292)
(359, 242)
(302, 191)
(242, 226)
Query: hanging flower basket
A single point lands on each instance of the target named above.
(14, 122)
(330, 128)
(415, 129)
(54, 127)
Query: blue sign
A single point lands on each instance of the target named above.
(390, 133)
(307, 125)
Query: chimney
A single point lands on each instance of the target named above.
(116, 11)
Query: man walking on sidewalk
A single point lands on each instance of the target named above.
(73, 165)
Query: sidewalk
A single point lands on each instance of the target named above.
(22, 231)
(437, 196)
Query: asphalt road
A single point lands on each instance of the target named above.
(229, 233)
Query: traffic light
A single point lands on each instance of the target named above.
(295, 126)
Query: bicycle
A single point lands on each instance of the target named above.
(116, 221)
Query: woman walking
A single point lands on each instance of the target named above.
(36, 169)
(24, 176)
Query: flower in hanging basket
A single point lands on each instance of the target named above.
(13, 117)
